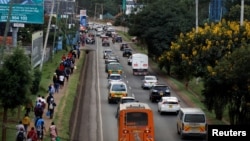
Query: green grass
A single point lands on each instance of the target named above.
(63, 119)
(48, 71)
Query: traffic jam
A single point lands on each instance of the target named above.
(159, 93)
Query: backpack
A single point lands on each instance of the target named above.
(20, 136)
(51, 106)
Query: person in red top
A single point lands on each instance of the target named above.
(63, 57)
(70, 55)
(32, 135)
(61, 67)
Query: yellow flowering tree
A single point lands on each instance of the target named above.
(198, 53)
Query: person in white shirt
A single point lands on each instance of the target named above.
(61, 80)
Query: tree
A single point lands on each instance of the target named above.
(160, 23)
(15, 82)
(198, 53)
(228, 85)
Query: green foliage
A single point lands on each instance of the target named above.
(233, 73)
(15, 79)
(199, 51)
(36, 81)
(234, 13)
(159, 23)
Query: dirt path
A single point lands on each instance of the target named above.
(58, 112)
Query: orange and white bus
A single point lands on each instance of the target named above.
(135, 122)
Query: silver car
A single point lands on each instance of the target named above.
(148, 81)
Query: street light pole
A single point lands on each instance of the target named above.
(47, 34)
(242, 13)
(196, 15)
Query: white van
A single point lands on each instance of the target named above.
(191, 122)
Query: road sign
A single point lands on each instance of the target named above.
(18, 24)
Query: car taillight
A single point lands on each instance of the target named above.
(182, 126)
(125, 131)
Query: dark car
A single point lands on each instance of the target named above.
(106, 52)
(90, 40)
(123, 46)
(157, 91)
(127, 52)
(109, 33)
(118, 39)
(105, 41)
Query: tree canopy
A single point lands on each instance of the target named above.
(15, 79)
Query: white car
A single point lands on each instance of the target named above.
(148, 81)
(126, 99)
(169, 104)
(114, 77)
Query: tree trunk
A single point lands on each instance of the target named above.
(4, 124)
(19, 112)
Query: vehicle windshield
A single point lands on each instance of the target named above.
(195, 118)
(128, 100)
(116, 77)
(136, 119)
(118, 87)
(114, 66)
(150, 78)
(170, 102)
(161, 88)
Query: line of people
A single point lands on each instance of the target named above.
(37, 132)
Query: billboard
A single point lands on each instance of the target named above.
(37, 47)
(22, 11)
(83, 19)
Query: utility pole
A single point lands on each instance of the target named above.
(242, 13)
(47, 34)
(7, 27)
(100, 7)
(55, 31)
(196, 15)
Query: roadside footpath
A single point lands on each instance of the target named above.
(59, 99)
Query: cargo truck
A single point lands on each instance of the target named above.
(139, 62)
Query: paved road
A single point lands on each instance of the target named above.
(96, 120)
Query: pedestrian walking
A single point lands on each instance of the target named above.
(26, 122)
(52, 106)
(40, 129)
(32, 135)
(29, 106)
(53, 131)
(21, 135)
(19, 126)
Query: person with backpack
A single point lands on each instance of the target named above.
(52, 105)
(32, 135)
(38, 110)
(40, 129)
(21, 135)
(19, 126)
